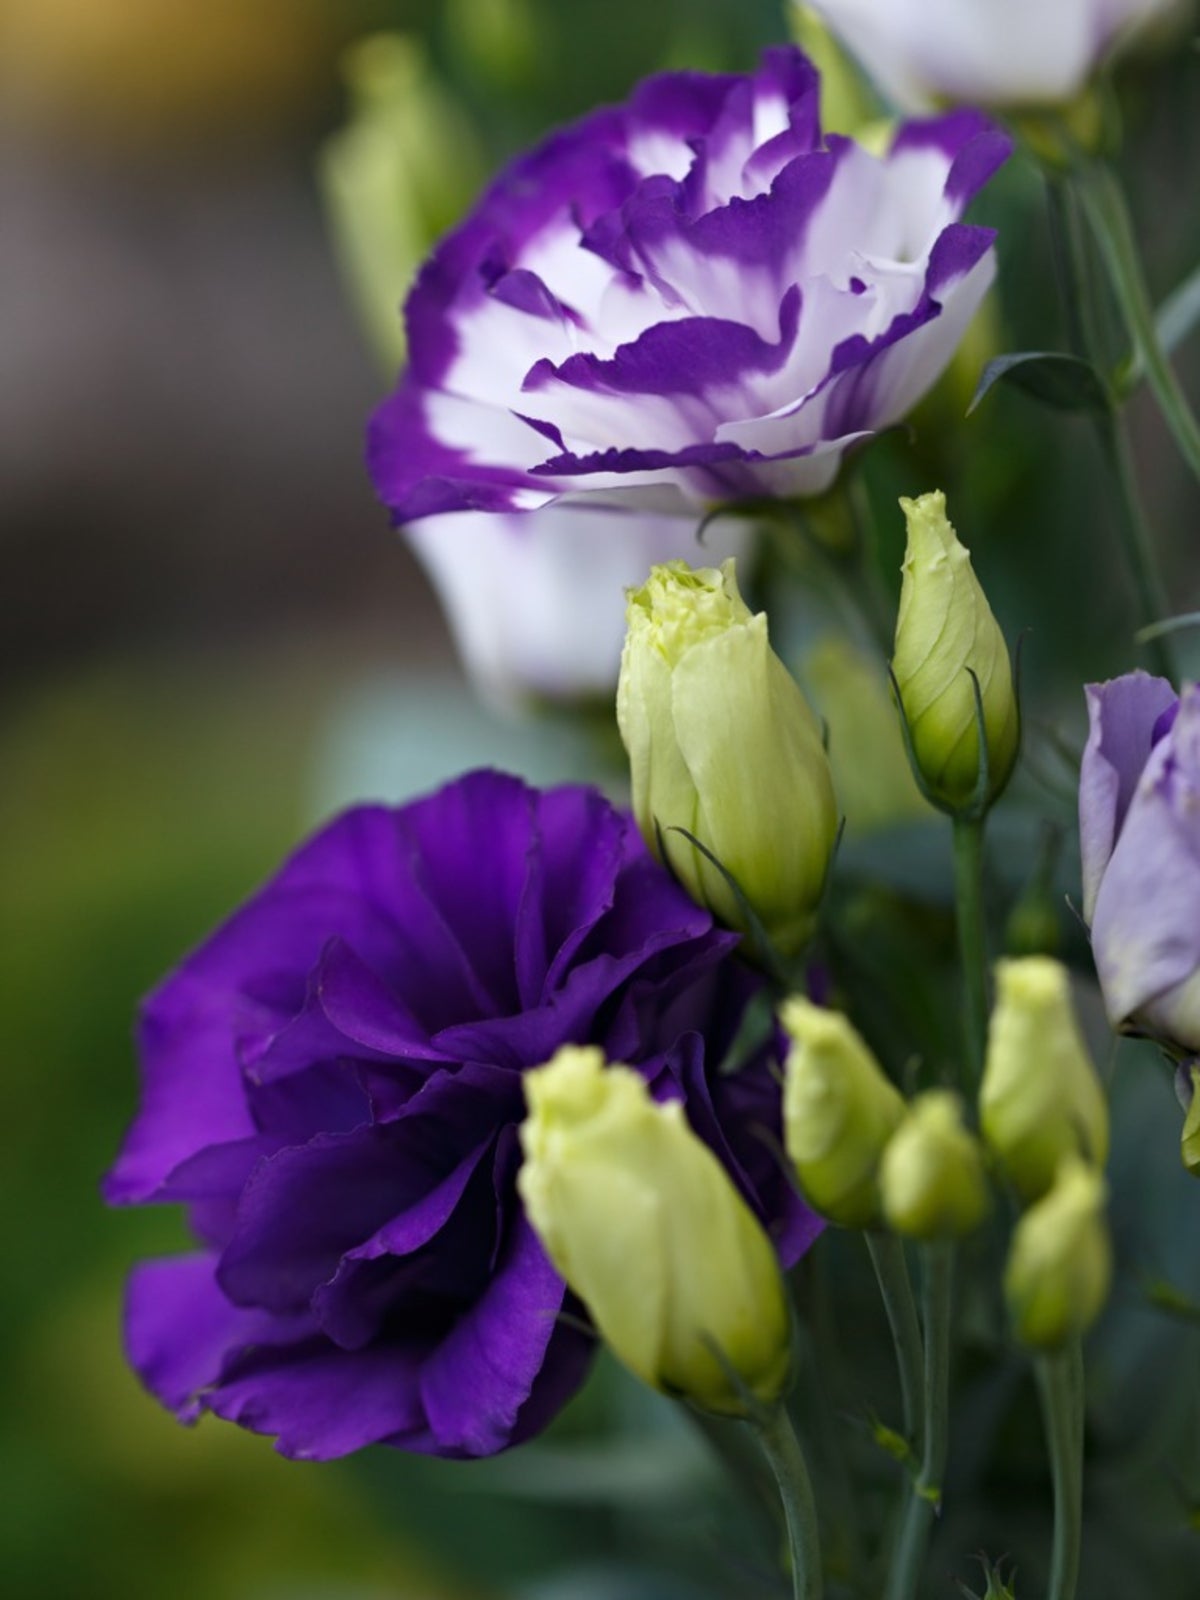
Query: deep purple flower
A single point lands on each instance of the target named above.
(332, 1085)
(1139, 826)
(690, 298)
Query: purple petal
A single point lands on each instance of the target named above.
(321, 1402)
(1122, 716)
(1145, 931)
(179, 1330)
(475, 1383)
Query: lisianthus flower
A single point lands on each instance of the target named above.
(1000, 53)
(333, 1087)
(1139, 826)
(536, 603)
(691, 298)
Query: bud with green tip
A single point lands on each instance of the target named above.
(945, 633)
(839, 1111)
(932, 1175)
(722, 745)
(1060, 1262)
(393, 178)
(1040, 1098)
(1190, 1144)
(647, 1228)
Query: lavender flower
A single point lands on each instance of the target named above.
(691, 298)
(333, 1086)
(1014, 53)
(1139, 825)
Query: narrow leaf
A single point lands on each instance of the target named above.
(1062, 381)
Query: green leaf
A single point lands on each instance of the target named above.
(1065, 382)
(1178, 315)
(1165, 1297)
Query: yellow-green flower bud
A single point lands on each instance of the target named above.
(722, 744)
(646, 1226)
(1040, 1098)
(1060, 1262)
(932, 1176)
(875, 787)
(395, 176)
(945, 632)
(1190, 1146)
(839, 1111)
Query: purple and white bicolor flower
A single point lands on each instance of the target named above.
(1139, 827)
(999, 53)
(536, 602)
(333, 1084)
(689, 299)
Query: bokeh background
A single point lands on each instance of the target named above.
(209, 638)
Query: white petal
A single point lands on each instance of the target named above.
(536, 602)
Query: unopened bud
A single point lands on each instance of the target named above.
(645, 1225)
(1040, 1098)
(839, 1111)
(1190, 1146)
(946, 632)
(932, 1175)
(723, 747)
(1060, 1263)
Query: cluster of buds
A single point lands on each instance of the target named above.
(732, 791)
(864, 1158)
(1045, 1120)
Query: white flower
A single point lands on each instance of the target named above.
(984, 52)
(536, 603)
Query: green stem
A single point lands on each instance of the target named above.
(1077, 264)
(820, 1364)
(877, 607)
(781, 1447)
(1060, 1386)
(895, 1287)
(972, 941)
(1109, 216)
(1136, 541)
(744, 1468)
(1073, 265)
(925, 1498)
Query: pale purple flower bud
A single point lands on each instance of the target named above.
(1139, 823)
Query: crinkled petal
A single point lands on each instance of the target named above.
(1121, 718)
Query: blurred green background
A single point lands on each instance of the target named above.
(207, 636)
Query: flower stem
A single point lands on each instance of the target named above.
(1136, 542)
(1087, 338)
(780, 1446)
(925, 1498)
(895, 1287)
(1060, 1386)
(972, 941)
(1109, 216)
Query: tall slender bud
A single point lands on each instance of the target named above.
(723, 745)
(946, 632)
(932, 1177)
(839, 1111)
(646, 1226)
(1060, 1262)
(1040, 1098)
(1190, 1144)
